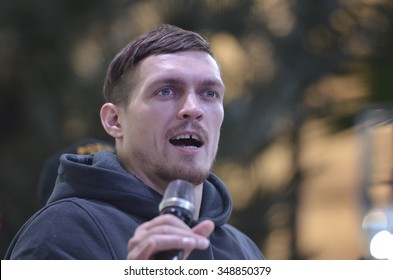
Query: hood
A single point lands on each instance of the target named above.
(101, 177)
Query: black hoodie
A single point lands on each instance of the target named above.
(96, 206)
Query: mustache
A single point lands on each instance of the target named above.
(189, 125)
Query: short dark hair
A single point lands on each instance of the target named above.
(164, 39)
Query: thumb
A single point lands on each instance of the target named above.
(204, 228)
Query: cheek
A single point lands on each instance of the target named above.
(149, 129)
(215, 127)
(218, 118)
(135, 130)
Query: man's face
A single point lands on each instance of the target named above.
(171, 126)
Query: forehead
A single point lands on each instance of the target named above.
(187, 66)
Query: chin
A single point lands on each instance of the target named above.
(191, 174)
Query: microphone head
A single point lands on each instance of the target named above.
(179, 193)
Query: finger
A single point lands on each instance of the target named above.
(204, 228)
(142, 232)
(200, 232)
(164, 242)
(165, 224)
(166, 233)
(160, 225)
(166, 219)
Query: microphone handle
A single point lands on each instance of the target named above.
(186, 217)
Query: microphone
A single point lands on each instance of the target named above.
(178, 200)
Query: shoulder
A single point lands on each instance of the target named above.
(64, 214)
(61, 230)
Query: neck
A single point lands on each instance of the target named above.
(198, 200)
(160, 185)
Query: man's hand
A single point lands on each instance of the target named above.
(167, 232)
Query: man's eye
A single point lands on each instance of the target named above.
(165, 92)
(211, 94)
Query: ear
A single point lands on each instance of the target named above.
(110, 120)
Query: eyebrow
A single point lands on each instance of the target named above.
(213, 82)
(177, 81)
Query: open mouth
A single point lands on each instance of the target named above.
(186, 140)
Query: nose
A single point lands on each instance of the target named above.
(191, 108)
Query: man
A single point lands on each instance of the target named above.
(164, 107)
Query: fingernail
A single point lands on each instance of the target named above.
(203, 243)
(186, 240)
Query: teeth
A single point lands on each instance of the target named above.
(187, 136)
(187, 141)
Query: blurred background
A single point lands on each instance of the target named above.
(306, 147)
